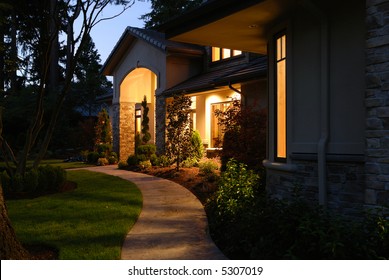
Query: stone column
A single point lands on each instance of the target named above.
(377, 103)
(160, 123)
(123, 126)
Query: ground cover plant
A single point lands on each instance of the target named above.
(89, 222)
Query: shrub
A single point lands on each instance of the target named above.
(165, 161)
(190, 162)
(145, 164)
(31, 180)
(208, 167)
(102, 161)
(113, 158)
(197, 146)
(93, 157)
(132, 160)
(147, 150)
(122, 165)
(50, 178)
(154, 159)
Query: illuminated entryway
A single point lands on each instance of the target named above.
(139, 83)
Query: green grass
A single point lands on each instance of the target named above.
(90, 222)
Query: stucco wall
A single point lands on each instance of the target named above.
(326, 65)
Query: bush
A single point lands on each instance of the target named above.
(154, 159)
(132, 160)
(102, 162)
(113, 158)
(197, 146)
(50, 178)
(122, 165)
(245, 223)
(93, 157)
(31, 180)
(145, 164)
(146, 150)
(165, 161)
(208, 167)
(190, 162)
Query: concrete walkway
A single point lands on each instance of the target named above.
(172, 225)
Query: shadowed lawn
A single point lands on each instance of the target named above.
(90, 222)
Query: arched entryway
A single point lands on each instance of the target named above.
(137, 84)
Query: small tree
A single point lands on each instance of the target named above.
(179, 131)
(145, 122)
(244, 135)
(103, 140)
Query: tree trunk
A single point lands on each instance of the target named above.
(10, 247)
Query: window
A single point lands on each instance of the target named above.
(138, 121)
(217, 130)
(222, 53)
(280, 97)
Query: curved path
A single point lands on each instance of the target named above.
(172, 225)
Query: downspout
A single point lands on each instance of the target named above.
(324, 101)
(236, 90)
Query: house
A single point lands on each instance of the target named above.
(144, 63)
(328, 61)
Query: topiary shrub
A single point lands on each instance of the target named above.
(165, 161)
(113, 158)
(145, 164)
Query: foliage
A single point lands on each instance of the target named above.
(88, 223)
(122, 165)
(147, 150)
(208, 166)
(163, 11)
(246, 223)
(132, 160)
(197, 146)
(179, 132)
(103, 130)
(190, 162)
(93, 157)
(164, 161)
(46, 178)
(47, 65)
(102, 161)
(113, 158)
(244, 135)
(145, 164)
(145, 122)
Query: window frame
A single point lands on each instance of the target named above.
(221, 54)
(280, 58)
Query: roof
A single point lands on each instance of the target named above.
(154, 38)
(219, 23)
(222, 76)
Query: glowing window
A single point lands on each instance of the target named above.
(222, 53)
(280, 97)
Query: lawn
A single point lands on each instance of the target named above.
(90, 222)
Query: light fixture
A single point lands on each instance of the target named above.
(251, 26)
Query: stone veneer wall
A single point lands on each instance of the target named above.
(345, 185)
(123, 127)
(377, 103)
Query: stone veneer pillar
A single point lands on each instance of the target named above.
(377, 103)
(123, 127)
(160, 123)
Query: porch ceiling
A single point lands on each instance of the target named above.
(241, 25)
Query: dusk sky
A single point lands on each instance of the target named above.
(106, 34)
